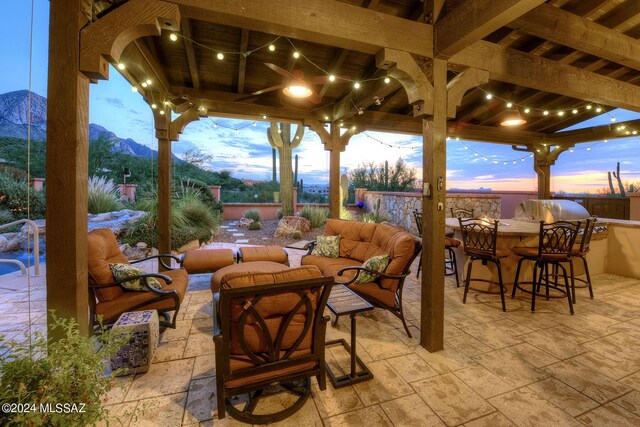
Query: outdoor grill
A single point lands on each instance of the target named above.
(551, 211)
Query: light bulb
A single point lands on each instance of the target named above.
(509, 104)
(353, 128)
(488, 96)
(522, 159)
(144, 84)
(237, 130)
(546, 113)
(387, 80)
(560, 113)
(296, 54)
(154, 106)
(166, 102)
(527, 110)
(465, 147)
(574, 111)
(571, 150)
(589, 107)
(220, 56)
(613, 119)
(627, 133)
(606, 140)
(635, 132)
(332, 77)
(121, 66)
(326, 118)
(264, 116)
(148, 81)
(162, 112)
(254, 124)
(514, 162)
(495, 162)
(215, 125)
(504, 163)
(173, 37)
(485, 158)
(134, 89)
(272, 47)
(356, 85)
(588, 148)
(598, 110)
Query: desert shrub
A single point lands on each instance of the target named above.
(18, 198)
(316, 215)
(201, 189)
(346, 214)
(198, 216)
(253, 214)
(102, 195)
(375, 217)
(297, 235)
(254, 226)
(67, 371)
(5, 217)
(279, 213)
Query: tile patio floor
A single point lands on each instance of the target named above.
(497, 369)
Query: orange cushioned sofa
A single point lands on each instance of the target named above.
(360, 241)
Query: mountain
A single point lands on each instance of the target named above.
(14, 123)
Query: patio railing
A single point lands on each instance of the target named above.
(36, 246)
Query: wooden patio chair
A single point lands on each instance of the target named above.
(107, 298)
(269, 335)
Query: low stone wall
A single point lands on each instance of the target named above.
(400, 206)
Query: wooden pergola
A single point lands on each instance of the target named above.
(443, 58)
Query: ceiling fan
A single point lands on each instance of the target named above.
(296, 85)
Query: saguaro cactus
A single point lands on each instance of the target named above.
(616, 174)
(280, 138)
(344, 188)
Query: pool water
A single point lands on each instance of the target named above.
(23, 257)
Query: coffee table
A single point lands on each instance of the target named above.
(343, 301)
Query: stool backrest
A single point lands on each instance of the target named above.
(417, 216)
(587, 232)
(478, 238)
(557, 238)
(461, 213)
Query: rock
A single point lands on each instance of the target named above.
(154, 251)
(141, 245)
(194, 244)
(125, 247)
(10, 242)
(136, 253)
(289, 224)
(116, 221)
(4, 242)
(244, 222)
(40, 223)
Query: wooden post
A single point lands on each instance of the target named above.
(67, 164)
(544, 158)
(543, 170)
(334, 184)
(164, 183)
(433, 219)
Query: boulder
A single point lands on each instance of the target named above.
(136, 253)
(10, 242)
(194, 244)
(289, 224)
(40, 223)
(244, 222)
(116, 221)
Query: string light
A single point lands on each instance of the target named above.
(387, 80)
(356, 85)
(144, 84)
(173, 37)
(509, 104)
(296, 54)
(154, 106)
(272, 47)
(332, 77)
(121, 66)
(220, 56)
(134, 89)
(162, 112)
(148, 81)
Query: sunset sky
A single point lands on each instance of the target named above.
(248, 155)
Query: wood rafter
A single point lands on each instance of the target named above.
(185, 27)
(567, 29)
(350, 26)
(242, 64)
(473, 20)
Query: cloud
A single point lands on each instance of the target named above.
(116, 102)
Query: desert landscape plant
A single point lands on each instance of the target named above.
(102, 195)
(315, 214)
(253, 214)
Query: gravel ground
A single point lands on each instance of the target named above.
(264, 236)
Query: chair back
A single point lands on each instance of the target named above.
(417, 216)
(102, 250)
(461, 213)
(557, 238)
(587, 232)
(478, 238)
(269, 324)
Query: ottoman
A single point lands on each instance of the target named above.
(246, 267)
(206, 260)
(263, 253)
(143, 330)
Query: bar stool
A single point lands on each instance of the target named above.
(461, 213)
(580, 251)
(450, 263)
(554, 248)
(479, 242)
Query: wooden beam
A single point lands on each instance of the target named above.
(242, 64)
(148, 57)
(556, 25)
(434, 163)
(473, 20)
(335, 65)
(67, 175)
(328, 22)
(512, 66)
(460, 84)
(103, 40)
(185, 27)
(179, 123)
(362, 98)
(164, 182)
(596, 133)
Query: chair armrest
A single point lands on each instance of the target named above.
(160, 258)
(139, 276)
(310, 246)
(217, 329)
(362, 269)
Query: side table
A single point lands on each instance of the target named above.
(343, 301)
(143, 330)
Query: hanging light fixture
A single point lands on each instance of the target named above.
(512, 118)
(297, 89)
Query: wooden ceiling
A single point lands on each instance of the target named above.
(579, 52)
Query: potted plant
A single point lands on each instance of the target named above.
(58, 383)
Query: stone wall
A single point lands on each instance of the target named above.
(400, 206)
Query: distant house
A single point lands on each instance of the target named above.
(317, 189)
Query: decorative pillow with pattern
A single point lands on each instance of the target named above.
(124, 271)
(376, 263)
(327, 246)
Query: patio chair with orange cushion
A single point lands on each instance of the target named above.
(269, 335)
(108, 298)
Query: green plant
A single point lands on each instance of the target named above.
(5, 216)
(254, 226)
(102, 195)
(279, 213)
(346, 214)
(18, 198)
(315, 214)
(253, 214)
(376, 216)
(45, 374)
(399, 177)
(297, 235)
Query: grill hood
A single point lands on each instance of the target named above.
(551, 211)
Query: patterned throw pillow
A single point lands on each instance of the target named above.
(376, 263)
(124, 271)
(328, 246)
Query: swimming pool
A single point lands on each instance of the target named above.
(22, 257)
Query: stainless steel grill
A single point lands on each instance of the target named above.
(551, 211)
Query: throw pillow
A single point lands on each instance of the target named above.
(376, 263)
(124, 271)
(327, 246)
